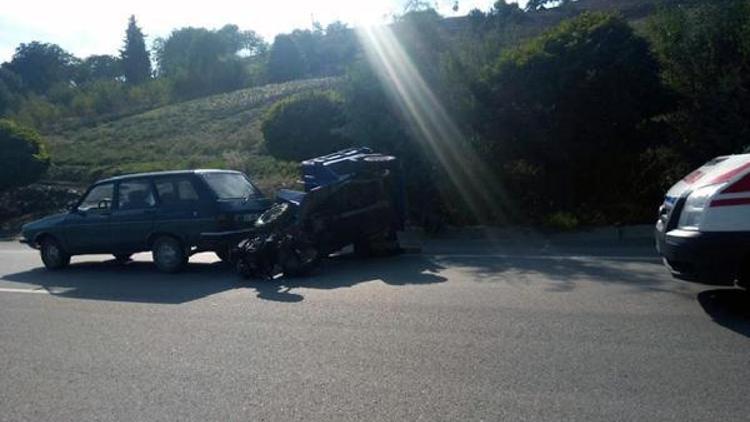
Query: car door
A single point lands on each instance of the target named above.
(87, 227)
(181, 209)
(132, 216)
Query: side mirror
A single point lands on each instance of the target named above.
(72, 206)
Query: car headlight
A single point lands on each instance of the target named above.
(695, 205)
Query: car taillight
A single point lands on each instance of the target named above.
(224, 221)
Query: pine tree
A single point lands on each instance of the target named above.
(136, 63)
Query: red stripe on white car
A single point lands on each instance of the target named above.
(725, 177)
(728, 202)
(742, 185)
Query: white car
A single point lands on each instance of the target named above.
(703, 231)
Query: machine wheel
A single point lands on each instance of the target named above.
(168, 254)
(384, 244)
(54, 256)
(299, 261)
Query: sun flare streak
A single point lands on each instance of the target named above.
(433, 126)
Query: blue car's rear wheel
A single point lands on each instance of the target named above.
(168, 254)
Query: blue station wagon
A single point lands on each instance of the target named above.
(173, 214)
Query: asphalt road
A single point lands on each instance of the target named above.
(465, 331)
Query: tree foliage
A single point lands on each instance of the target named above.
(285, 61)
(23, 158)
(10, 85)
(202, 61)
(136, 63)
(705, 54)
(41, 65)
(566, 111)
(305, 126)
(312, 53)
(98, 67)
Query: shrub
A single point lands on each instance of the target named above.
(305, 126)
(23, 158)
(562, 220)
(35, 199)
(578, 102)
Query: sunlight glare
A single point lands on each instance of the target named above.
(434, 128)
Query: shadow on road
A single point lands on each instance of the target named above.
(729, 308)
(140, 282)
(133, 282)
(348, 271)
(563, 273)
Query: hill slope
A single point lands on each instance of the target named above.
(218, 131)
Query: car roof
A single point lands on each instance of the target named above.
(163, 173)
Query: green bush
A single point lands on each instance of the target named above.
(562, 220)
(578, 102)
(23, 158)
(305, 126)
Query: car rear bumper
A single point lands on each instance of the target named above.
(222, 239)
(703, 257)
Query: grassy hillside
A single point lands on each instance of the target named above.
(218, 131)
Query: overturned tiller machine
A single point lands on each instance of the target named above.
(352, 197)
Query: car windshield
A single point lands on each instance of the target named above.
(230, 185)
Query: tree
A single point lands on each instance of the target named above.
(41, 65)
(136, 64)
(704, 51)
(285, 61)
(202, 61)
(98, 67)
(313, 53)
(10, 86)
(571, 109)
(305, 126)
(23, 158)
(247, 42)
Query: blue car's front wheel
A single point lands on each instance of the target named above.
(54, 256)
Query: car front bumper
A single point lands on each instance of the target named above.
(28, 243)
(703, 257)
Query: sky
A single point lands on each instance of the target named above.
(85, 27)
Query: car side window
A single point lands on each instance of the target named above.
(186, 190)
(176, 192)
(135, 195)
(99, 198)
